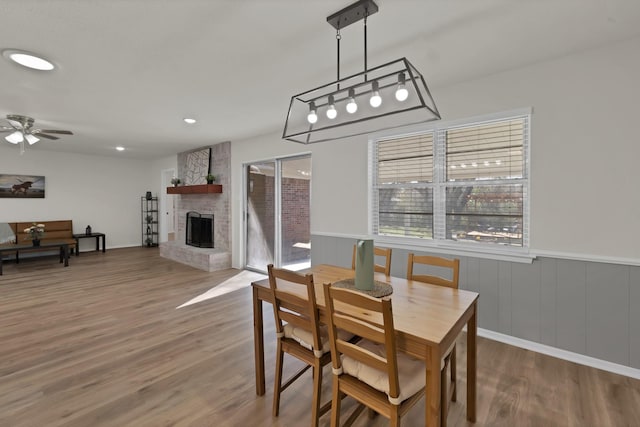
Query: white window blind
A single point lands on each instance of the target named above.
(458, 183)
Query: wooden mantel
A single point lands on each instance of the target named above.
(195, 189)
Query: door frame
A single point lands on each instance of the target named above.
(164, 199)
(277, 258)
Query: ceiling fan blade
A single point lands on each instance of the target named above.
(62, 132)
(16, 124)
(44, 135)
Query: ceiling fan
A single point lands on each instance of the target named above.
(21, 128)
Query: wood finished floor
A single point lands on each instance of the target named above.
(101, 343)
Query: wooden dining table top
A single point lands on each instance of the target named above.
(421, 311)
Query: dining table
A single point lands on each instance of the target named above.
(427, 319)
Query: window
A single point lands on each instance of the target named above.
(462, 182)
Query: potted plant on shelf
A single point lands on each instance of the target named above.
(175, 181)
(210, 178)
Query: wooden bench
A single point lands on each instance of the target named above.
(61, 230)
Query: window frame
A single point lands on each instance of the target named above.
(443, 245)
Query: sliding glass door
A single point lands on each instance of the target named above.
(277, 213)
(260, 215)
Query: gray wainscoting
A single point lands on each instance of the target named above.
(590, 308)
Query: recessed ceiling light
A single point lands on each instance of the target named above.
(119, 148)
(28, 59)
(189, 120)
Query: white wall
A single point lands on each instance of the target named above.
(103, 192)
(585, 148)
(157, 166)
(584, 155)
(585, 152)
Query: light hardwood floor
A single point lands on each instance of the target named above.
(101, 343)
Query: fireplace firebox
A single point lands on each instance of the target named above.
(199, 230)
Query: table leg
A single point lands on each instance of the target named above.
(104, 237)
(258, 340)
(66, 255)
(77, 249)
(432, 404)
(97, 243)
(0, 263)
(472, 332)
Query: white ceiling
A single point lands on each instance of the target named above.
(128, 71)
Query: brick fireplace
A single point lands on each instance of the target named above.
(215, 205)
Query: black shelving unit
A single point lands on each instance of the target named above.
(149, 213)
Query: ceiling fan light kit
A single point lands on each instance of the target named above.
(21, 128)
(387, 96)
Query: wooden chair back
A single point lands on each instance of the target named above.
(377, 252)
(369, 318)
(294, 302)
(442, 264)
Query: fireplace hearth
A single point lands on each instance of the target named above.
(200, 230)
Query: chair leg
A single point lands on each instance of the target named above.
(336, 399)
(444, 393)
(317, 395)
(277, 381)
(394, 419)
(454, 375)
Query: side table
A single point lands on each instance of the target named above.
(84, 235)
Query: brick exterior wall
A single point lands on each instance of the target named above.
(295, 218)
(295, 214)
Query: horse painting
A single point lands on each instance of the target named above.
(23, 186)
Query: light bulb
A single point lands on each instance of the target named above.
(375, 101)
(352, 107)
(401, 92)
(331, 111)
(312, 117)
(15, 138)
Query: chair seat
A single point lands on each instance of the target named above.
(305, 338)
(411, 372)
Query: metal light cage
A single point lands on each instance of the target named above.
(418, 107)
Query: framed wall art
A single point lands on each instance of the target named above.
(22, 186)
(193, 166)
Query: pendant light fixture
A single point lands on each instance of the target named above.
(390, 95)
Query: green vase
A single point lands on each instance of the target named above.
(364, 265)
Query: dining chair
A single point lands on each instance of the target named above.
(370, 371)
(377, 252)
(436, 267)
(299, 334)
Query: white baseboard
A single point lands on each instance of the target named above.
(561, 354)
